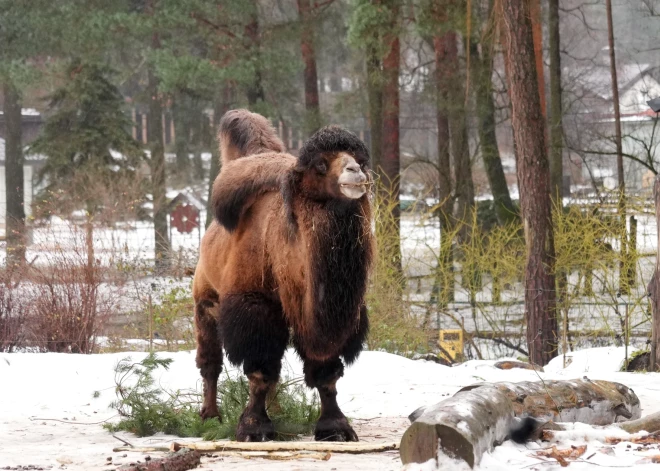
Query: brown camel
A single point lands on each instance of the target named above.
(286, 259)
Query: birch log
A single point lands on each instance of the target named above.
(479, 417)
(333, 447)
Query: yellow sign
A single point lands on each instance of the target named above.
(451, 341)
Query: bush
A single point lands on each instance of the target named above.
(393, 327)
(57, 305)
(13, 314)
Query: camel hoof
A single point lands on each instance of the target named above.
(210, 412)
(334, 430)
(253, 428)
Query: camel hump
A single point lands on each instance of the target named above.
(244, 133)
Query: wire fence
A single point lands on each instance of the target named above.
(480, 292)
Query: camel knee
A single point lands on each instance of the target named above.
(255, 333)
(322, 374)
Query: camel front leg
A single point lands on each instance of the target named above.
(209, 357)
(332, 424)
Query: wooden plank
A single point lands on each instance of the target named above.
(333, 447)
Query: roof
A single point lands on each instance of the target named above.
(598, 79)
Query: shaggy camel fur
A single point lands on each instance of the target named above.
(286, 259)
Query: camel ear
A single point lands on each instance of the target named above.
(287, 188)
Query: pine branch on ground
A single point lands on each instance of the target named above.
(145, 409)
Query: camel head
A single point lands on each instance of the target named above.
(333, 165)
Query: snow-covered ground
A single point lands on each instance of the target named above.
(378, 392)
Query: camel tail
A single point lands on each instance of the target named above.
(244, 133)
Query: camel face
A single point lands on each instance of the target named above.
(334, 176)
(352, 179)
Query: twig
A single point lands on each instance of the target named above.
(124, 441)
(74, 423)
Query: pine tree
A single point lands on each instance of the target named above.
(533, 181)
(92, 157)
(25, 33)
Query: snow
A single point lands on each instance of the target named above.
(380, 388)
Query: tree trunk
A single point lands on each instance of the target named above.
(537, 35)
(654, 290)
(375, 97)
(158, 178)
(556, 111)
(390, 163)
(504, 209)
(182, 132)
(313, 113)
(556, 138)
(533, 182)
(220, 107)
(464, 189)
(494, 408)
(15, 213)
(624, 284)
(444, 47)
(255, 91)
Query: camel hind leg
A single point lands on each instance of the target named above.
(209, 355)
(255, 334)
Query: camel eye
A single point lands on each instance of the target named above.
(322, 167)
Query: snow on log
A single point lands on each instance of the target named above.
(479, 417)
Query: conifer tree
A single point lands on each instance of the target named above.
(92, 157)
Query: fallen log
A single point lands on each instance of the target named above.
(481, 416)
(332, 447)
(650, 423)
(511, 364)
